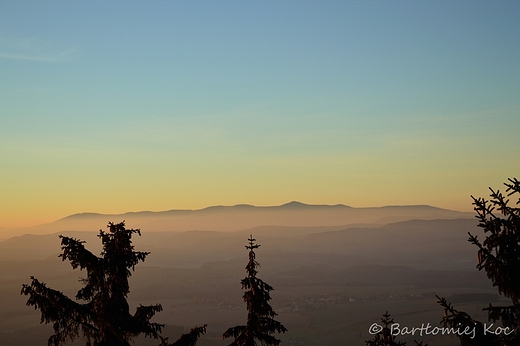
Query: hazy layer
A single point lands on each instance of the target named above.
(349, 275)
(238, 217)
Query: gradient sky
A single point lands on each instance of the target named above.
(131, 105)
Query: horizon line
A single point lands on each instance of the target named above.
(288, 204)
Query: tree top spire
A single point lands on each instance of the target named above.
(252, 245)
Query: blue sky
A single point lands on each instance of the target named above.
(129, 105)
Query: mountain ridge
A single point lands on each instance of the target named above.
(242, 216)
(289, 205)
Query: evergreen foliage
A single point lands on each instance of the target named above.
(260, 317)
(188, 339)
(104, 319)
(385, 337)
(460, 320)
(499, 256)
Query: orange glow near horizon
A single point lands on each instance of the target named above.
(312, 103)
(41, 215)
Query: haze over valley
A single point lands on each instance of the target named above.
(353, 267)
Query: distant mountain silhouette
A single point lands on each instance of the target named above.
(243, 216)
(297, 205)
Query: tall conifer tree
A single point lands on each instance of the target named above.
(104, 319)
(260, 315)
(499, 256)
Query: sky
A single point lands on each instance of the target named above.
(121, 106)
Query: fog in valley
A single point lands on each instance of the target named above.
(335, 269)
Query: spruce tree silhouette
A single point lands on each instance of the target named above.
(104, 319)
(499, 256)
(188, 339)
(385, 337)
(260, 315)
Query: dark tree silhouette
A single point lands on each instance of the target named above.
(260, 315)
(499, 256)
(385, 337)
(104, 319)
(462, 321)
(188, 339)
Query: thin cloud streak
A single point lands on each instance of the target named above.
(32, 50)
